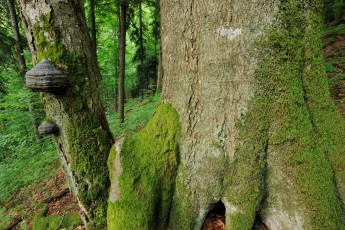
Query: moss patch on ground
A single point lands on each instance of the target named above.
(64, 221)
(149, 160)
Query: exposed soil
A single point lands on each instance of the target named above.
(51, 193)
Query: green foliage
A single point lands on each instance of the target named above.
(341, 77)
(64, 221)
(149, 160)
(24, 156)
(329, 68)
(5, 218)
(137, 112)
(333, 30)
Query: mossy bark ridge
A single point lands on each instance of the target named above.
(57, 30)
(142, 191)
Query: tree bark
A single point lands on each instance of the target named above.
(122, 58)
(256, 114)
(16, 35)
(57, 30)
(260, 135)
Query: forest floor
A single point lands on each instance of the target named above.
(53, 191)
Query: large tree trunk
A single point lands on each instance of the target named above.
(57, 30)
(260, 135)
(248, 83)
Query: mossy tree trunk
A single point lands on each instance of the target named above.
(57, 30)
(259, 129)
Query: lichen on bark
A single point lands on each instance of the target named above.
(149, 160)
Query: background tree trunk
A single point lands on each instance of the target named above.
(329, 11)
(93, 27)
(57, 30)
(247, 80)
(122, 58)
(16, 35)
(143, 75)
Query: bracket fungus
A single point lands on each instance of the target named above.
(45, 77)
(48, 128)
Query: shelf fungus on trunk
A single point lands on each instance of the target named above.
(48, 128)
(45, 77)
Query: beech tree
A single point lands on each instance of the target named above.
(57, 30)
(247, 124)
(259, 135)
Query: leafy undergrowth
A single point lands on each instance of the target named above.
(44, 190)
(334, 54)
(137, 113)
(27, 182)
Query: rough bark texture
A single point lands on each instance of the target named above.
(122, 57)
(258, 130)
(57, 30)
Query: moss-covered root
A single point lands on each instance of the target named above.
(64, 221)
(149, 160)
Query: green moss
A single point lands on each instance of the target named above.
(64, 221)
(183, 211)
(51, 48)
(300, 130)
(149, 160)
(244, 184)
(89, 167)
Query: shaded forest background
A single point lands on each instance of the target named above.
(32, 184)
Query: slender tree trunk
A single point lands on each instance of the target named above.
(159, 71)
(16, 35)
(143, 74)
(84, 138)
(159, 56)
(329, 11)
(342, 11)
(116, 64)
(258, 136)
(122, 58)
(93, 27)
